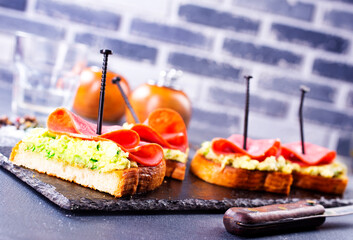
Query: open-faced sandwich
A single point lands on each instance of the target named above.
(116, 162)
(318, 171)
(166, 128)
(260, 167)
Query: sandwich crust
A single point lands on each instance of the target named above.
(149, 178)
(117, 183)
(175, 169)
(319, 183)
(269, 181)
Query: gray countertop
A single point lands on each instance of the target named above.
(25, 214)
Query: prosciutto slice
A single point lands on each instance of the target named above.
(256, 149)
(62, 121)
(314, 154)
(164, 127)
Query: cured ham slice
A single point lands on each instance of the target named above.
(147, 154)
(124, 137)
(62, 121)
(314, 154)
(256, 149)
(164, 127)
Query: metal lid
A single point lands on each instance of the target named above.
(168, 78)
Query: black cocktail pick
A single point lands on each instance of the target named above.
(106, 53)
(116, 81)
(246, 116)
(303, 89)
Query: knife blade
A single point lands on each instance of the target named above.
(278, 218)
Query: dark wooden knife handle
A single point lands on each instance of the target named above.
(273, 219)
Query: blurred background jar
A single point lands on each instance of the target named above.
(46, 74)
(163, 93)
(86, 102)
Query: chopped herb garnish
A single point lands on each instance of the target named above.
(50, 154)
(41, 147)
(30, 147)
(206, 152)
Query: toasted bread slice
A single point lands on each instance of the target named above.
(117, 183)
(175, 169)
(319, 183)
(149, 178)
(269, 181)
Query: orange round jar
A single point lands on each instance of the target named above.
(160, 94)
(86, 102)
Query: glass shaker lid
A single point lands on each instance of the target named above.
(168, 78)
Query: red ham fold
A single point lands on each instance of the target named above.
(314, 154)
(62, 121)
(164, 127)
(256, 149)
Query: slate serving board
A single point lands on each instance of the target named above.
(172, 195)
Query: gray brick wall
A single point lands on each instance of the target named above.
(283, 44)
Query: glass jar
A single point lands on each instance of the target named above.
(163, 93)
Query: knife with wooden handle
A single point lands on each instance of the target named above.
(272, 219)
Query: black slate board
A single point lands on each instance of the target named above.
(172, 195)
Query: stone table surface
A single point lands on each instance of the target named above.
(25, 214)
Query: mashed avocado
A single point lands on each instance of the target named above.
(175, 155)
(103, 156)
(333, 170)
(245, 162)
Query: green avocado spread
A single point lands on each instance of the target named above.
(245, 162)
(332, 170)
(103, 156)
(176, 155)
